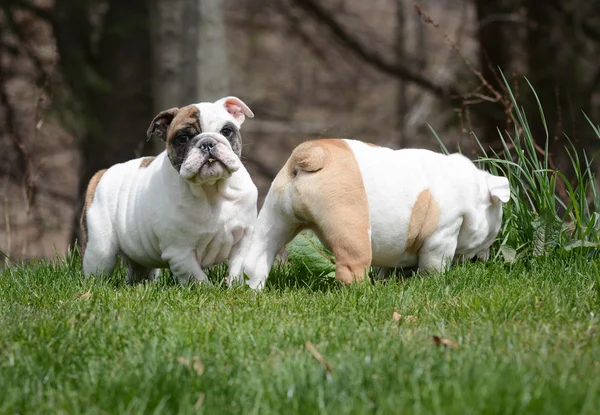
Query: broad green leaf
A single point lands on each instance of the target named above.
(306, 249)
(508, 253)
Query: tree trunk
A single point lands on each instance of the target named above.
(401, 56)
(213, 72)
(494, 54)
(166, 29)
(555, 70)
(110, 81)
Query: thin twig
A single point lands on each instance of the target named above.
(318, 356)
(428, 19)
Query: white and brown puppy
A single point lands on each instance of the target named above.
(375, 206)
(191, 207)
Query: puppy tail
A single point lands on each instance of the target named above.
(308, 158)
(499, 188)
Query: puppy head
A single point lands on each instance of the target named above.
(203, 141)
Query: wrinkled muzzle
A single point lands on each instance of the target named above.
(210, 158)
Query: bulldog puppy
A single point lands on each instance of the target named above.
(373, 206)
(191, 207)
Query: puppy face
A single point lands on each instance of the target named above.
(203, 141)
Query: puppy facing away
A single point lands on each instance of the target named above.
(374, 206)
(191, 207)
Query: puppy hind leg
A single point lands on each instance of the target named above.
(351, 247)
(99, 257)
(186, 269)
(343, 226)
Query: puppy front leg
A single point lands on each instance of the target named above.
(438, 251)
(186, 269)
(272, 230)
(236, 258)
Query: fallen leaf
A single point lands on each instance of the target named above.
(84, 296)
(196, 365)
(200, 401)
(438, 341)
(407, 319)
(318, 356)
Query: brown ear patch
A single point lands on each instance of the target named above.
(89, 198)
(160, 124)
(146, 162)
(423, 221)
(185, 117)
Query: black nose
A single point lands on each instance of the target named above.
(207, 144)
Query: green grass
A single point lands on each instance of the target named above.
(527, 336)
(523, 329)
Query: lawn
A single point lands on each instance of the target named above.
(520, 338)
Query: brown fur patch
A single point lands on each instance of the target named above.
(186, 117)
(328, 192)
(146, 162)
(89, 198)
(372, 145)
(423, 221)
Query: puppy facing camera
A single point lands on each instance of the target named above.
(190, 207)
(374, 206)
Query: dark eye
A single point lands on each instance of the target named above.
(226, 132)
(182, 139)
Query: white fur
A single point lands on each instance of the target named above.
(470, 202)
(153, 218)
(469, 216)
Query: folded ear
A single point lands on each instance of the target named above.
(499, 188)
(237, 108)
(160, 124)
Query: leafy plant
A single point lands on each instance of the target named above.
(306, 252)
(538, 220)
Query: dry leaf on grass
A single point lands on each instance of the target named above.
(196, 365)
(408, 319)
(84, 296)
(318, 356)
(439, 341)
(200, 401)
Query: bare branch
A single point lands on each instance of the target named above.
(372, 57)
(32, 8)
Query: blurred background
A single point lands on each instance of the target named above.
(80, 81)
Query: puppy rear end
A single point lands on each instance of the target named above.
(320, 188)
